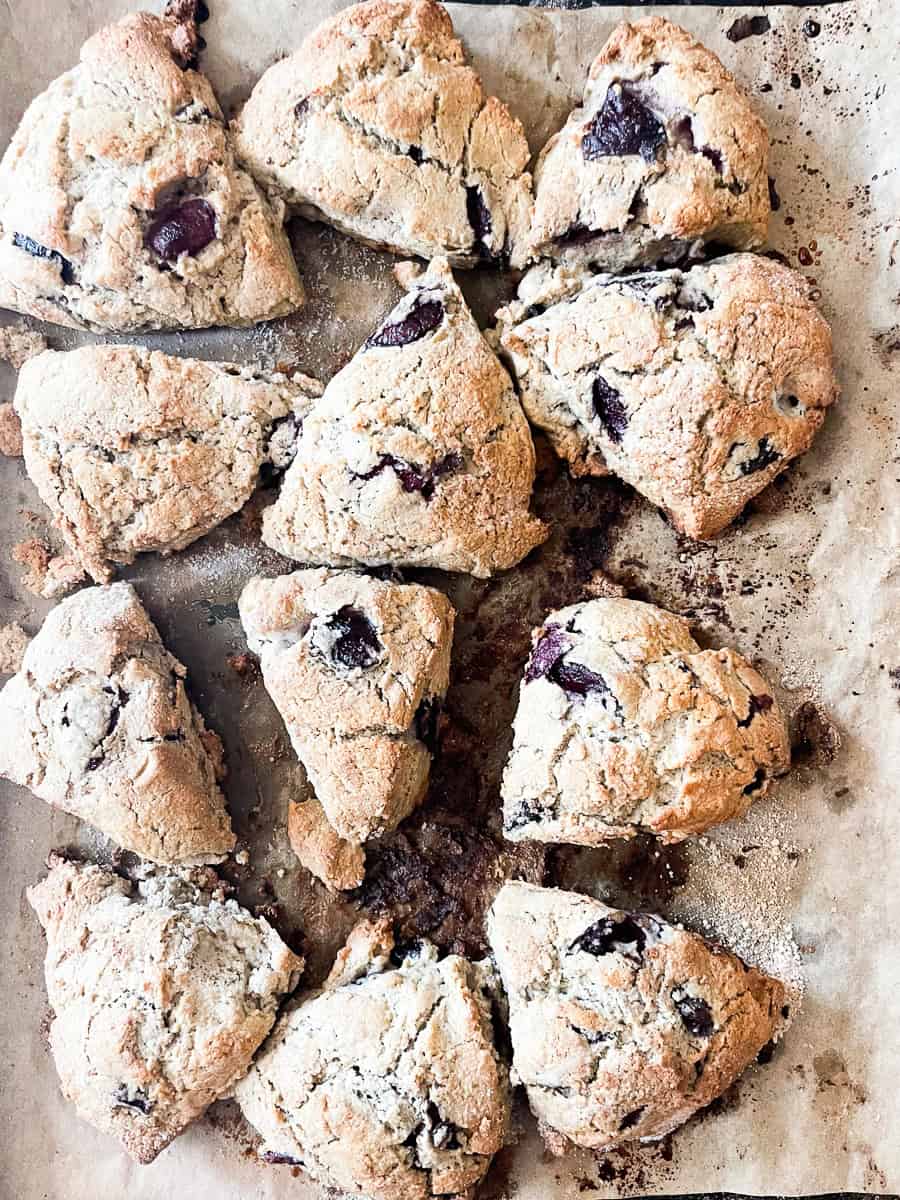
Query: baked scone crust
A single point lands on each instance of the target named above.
(622, 1025)
(98, 723)
(696, 387)
(664, 152)
(625, 725)
(377, 127)
(358, 668)
(418, 453)
(93, 173)
(162, 992)
(385, 1083)
(134, 450)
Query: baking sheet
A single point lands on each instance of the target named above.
(807, 586)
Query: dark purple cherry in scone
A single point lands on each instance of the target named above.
(184, 228)
(624, 125)
(422, 318)
(357, 643)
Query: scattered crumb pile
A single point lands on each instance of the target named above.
(13, 642)
(47, 574)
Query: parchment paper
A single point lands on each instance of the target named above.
(807, 586)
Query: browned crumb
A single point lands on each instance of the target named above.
(339, 864)
(13, 642)
(10, 432)
(212, 744)
(600, 584)
(46, 574)
(245, 665)
(18, 343)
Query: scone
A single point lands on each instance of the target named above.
(696, 387)
(622, 1025)
(121, 204)
(625, 725)
(358, 668)
(377, 127)
(664, 153)
(161, 991)
(385, 1083)
(134, 450)
(98, 723)
(418, 453)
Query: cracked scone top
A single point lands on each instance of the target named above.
(377, 127)
(134, 450)
(122, 206)
(622, 1025)
(161, 991)
(418, 453)
(696, 387)
(665, 151)
(386, 1082)
(98, 723)
(358, 668)
(625, 725)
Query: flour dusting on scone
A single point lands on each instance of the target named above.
(664, 153)
(161, 990)
(358, 668)
(418, 453)
(386, 1083)
(622, 1025)
(625, 725)
(122, 206)
(134, 450)
(98, 723)
(696, 387)
(377, 127)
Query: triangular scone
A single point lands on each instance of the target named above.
(418, 453)
(622, 1025)
(162, 992)
(664, 152)
(358, 668)
(386, 1083)
(98, 723)
(625, 725)
(377, 126)
(134, 450)
(122, 206)
(696, 387)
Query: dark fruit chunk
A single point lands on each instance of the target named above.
(525, 814)
(714, 156)
(414, 478)
(357, 643)
(426, 722)
(137, 1101)
(551, 646)
(415, 153)
(695, 1013)
(301, 108)
(631, 1118)
(766, 455)
(404, 951)
(182, 229)
(577, 680)
(757, 704)
(755, 783)
(479, 218)
(624, 125)
(608, 936)
(745, 27)
(270, 1156)
(422, 318)
(609, 408)
(36, 250)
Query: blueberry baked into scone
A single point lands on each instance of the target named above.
(625, 725)
(358, 669)
(378, 127)
(162, 991)
(121, 204)
(622, 1025)
(134, 450)
(663, 154)
(418, 453)
(696, 387)
(98, 723)
(385, 1083)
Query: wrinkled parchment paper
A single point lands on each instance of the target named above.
(807, 586)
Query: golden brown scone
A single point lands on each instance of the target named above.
(134, 450)
(622, 1025)
(665, 152)
(377, 126)
(161, 991)
(386, 1083)
(122, 206)
(696, 387)
(418, 453)
(98, 723)
(358, 668)
(625, 725)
